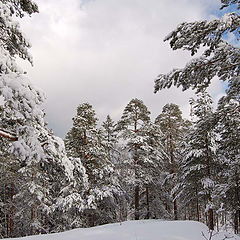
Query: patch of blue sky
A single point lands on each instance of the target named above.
(217, 12)
(231, 8)
(231, 37)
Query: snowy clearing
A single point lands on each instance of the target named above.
(139, 230)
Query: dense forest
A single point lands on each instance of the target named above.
(134, 168)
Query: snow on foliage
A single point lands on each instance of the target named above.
(218, 59)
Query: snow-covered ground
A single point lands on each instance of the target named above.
(140, 230)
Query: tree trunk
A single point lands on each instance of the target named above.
(210, 219)
(197, 206)
(10, 221)
(236, 221)
(237, 213)
(147, 199)
(217, 221)
(175, 209)
(136, 202)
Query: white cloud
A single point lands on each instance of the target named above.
(106, 52)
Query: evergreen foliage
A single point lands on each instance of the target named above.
(146, 153)
(35, 153)
(200, 165)
(172, 126)
(132, 169)
(85, 142)
(219, 57)
(228, 126)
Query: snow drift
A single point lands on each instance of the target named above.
(139, 230)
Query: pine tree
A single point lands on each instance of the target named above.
(35, 150)
(172, 126)
(220, 58)
(228, 122)
(200, 165)
(109, 138)
(84, 142)
(143, 145)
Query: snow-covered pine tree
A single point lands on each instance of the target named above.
(200, 167)
(220, 58)
(110, 141)
(156, 156)
(34, 147)
(8, 178)
(84, 141)
(172, 126)
(228, 127)
(109, 138)
(143, 144)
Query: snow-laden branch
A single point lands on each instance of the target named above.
(219, 58)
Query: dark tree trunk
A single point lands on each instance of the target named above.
(210, 219)
(136, 202)
(147, 199)
(175, 209)
(237, 213)
(217, 222)
(10, 221)
(236, 221)
(197, 206)
(209, 172)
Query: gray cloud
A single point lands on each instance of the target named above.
(106, 53)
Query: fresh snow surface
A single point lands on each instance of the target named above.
(139, 230)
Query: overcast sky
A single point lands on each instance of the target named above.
(107, 52)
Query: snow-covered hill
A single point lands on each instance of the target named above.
(139, 230)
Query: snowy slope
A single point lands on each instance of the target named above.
(139, 230)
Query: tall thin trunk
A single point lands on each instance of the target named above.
(236, 221)
(197, 206)
(210, 219)
(137, 189)
(10, 222)
(217, 221)
(175, 209)
(148, 206)
(237, 199)
(136, 202)
(210, 211)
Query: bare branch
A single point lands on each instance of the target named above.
(8, 135)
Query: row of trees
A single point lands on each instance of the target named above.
(170, 168)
